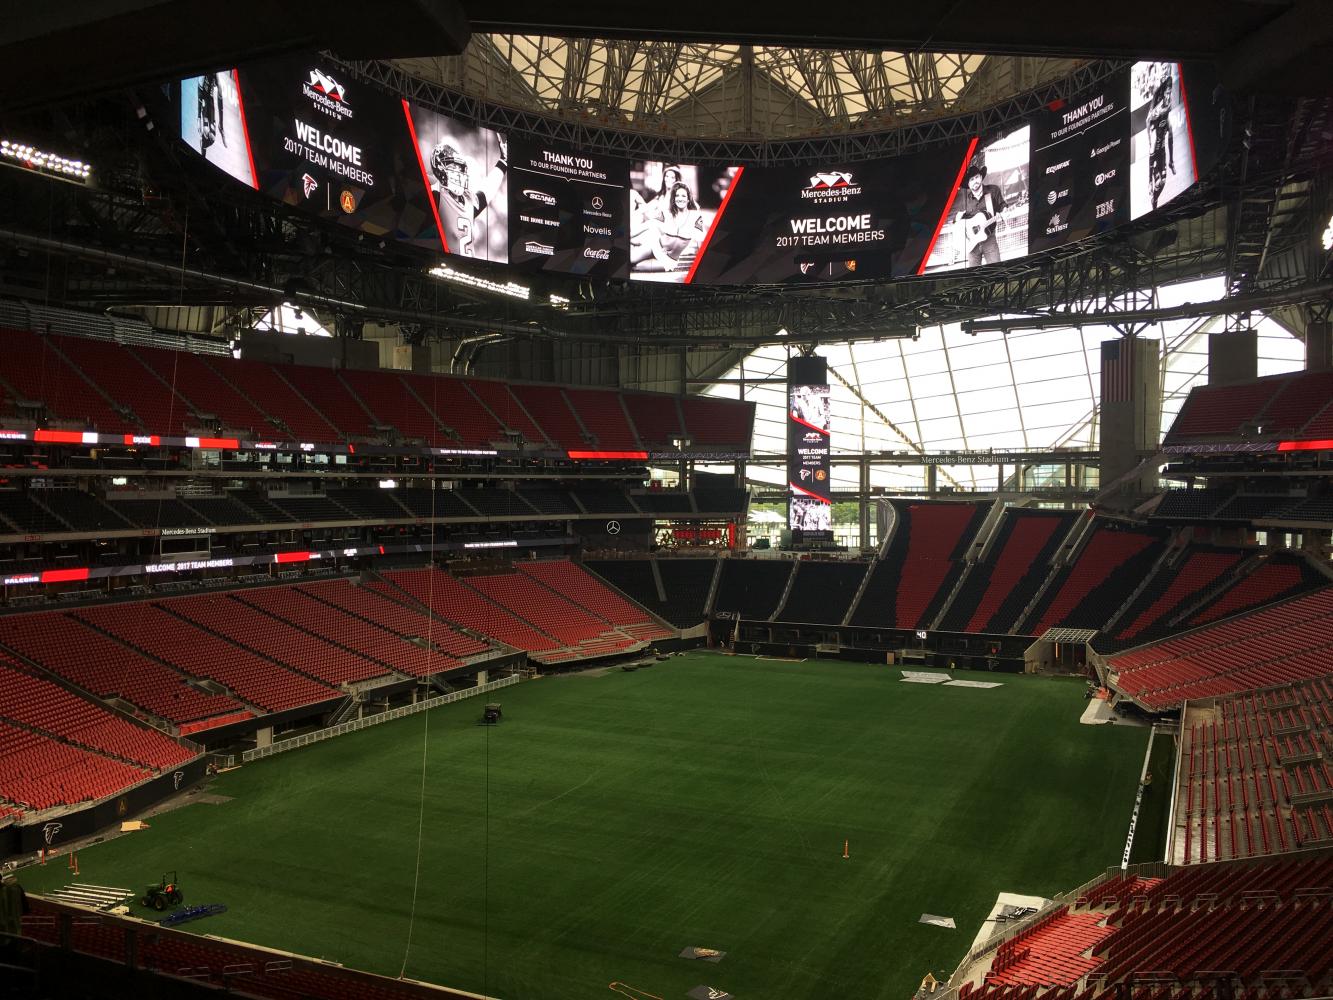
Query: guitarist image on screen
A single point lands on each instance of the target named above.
(976, 216)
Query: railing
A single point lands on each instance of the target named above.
(258, 753)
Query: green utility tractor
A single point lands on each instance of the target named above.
(165, 893)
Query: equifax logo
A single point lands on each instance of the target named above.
(541, 197)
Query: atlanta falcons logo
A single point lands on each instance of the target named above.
(308, 184)
(177, 778)
(49, 832)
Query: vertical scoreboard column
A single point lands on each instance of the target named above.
(809, 420)
(1131, 409)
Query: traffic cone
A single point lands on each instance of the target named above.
(75, 856)
(846, 849)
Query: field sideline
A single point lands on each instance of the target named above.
(612, 820)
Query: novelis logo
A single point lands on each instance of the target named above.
(541, 197)
(831, 186)
(308, 184)
(327, 95)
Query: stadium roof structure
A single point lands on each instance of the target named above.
(692, 83)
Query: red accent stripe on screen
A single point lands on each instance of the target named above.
(703, 247)
(64, 575)
(421, 164)
(804, 492)
(245, 129)
(638, 455)
(1323, 444)
(1189, 124)
(806, 423)
(291, 557)
(948, 204)
(58, 437)
(221, 443)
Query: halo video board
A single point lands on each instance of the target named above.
(298, 129)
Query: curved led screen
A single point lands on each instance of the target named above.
(295, 129)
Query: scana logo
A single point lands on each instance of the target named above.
(541, 197)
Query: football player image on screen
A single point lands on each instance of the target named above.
(808, 514)
(473, 205)
(810, 405)
(1163, 164)
(211, 123)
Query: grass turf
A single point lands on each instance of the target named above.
(612, 820)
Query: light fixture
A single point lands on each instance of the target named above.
(1327, 238)
(388, 484)
(28, 157)
(512, 289)
(559, 301)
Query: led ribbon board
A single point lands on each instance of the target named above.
(809, 423)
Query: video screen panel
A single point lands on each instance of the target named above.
(213, 123)
(809, 430)
(987, 219)
(296, 129)
(466, 170)
(1080, 166)
(570, 210)
(1162, 147)
(339, 150)
(671, 211)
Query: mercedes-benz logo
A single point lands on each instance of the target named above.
(597, 202)
(613, 527)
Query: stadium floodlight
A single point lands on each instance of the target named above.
(388, 484)
(1327, 238)
(24, 156)
(512, 289)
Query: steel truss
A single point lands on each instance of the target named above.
(904, 137)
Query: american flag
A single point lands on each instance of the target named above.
(1117, 370)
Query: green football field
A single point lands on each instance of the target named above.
(612, 820)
